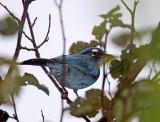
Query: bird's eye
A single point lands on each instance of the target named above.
(94, 53)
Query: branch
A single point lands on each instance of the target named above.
(34, 22)
(133, 72)
(64, 94)
(56, 3)
(59, 6)
(109, 109)
(32, 36)
(126, 6)
(46, 38)
(27, 36)
(64, 44)
(42, 116)
(62, 111)
(28, 49)
(104, 72)
(18, 47)
(16, 54)
(14, 106)
(10, 13)
(132, 28)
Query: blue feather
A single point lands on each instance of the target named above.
(81, 69)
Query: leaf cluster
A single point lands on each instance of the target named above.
(90, 105)
(134, 98)
(12, 84)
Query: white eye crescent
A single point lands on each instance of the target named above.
(94, 50)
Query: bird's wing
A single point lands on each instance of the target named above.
(77, 61)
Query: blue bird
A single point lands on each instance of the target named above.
(81, 70)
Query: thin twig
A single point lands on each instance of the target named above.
(64, 94)
(14, 106)
(32, 36)
(34, 22)
(21, 25)
(56, 3)
(37, 52)
(46, 38)
(28, 49)
(59, 6)
(104, 72)
(62, 110)
(108, 114)
(109, 86)
(132, 29)
(133, 22)
(10, 13)
(27, 36)
(42, 116)
(126, 78)
(64, 41)
(126, 6)
(17, 51)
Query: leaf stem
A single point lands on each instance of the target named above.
(14, 106)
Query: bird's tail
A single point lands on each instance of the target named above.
(37, 62)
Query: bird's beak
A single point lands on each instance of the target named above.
(104, 54)
(105, 58)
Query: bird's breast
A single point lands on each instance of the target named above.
(76, 77)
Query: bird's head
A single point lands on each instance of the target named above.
(98, 54)
(94, 52)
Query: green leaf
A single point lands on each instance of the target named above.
(113, 18)
(115, 22)
(6, 61)
(3, 116)
(142, 101)
(4, 93)
(111, 12)
(150, 51)
(29, 79)
(80, 45)
(117, 15)
(8, 26)
(154, 46)
(118, 68)
(107, 58)
(90, 105)
(99, 31)
(8, 85)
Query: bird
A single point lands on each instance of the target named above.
(81, 70)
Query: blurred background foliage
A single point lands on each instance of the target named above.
(140, 99)
(8, 26)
